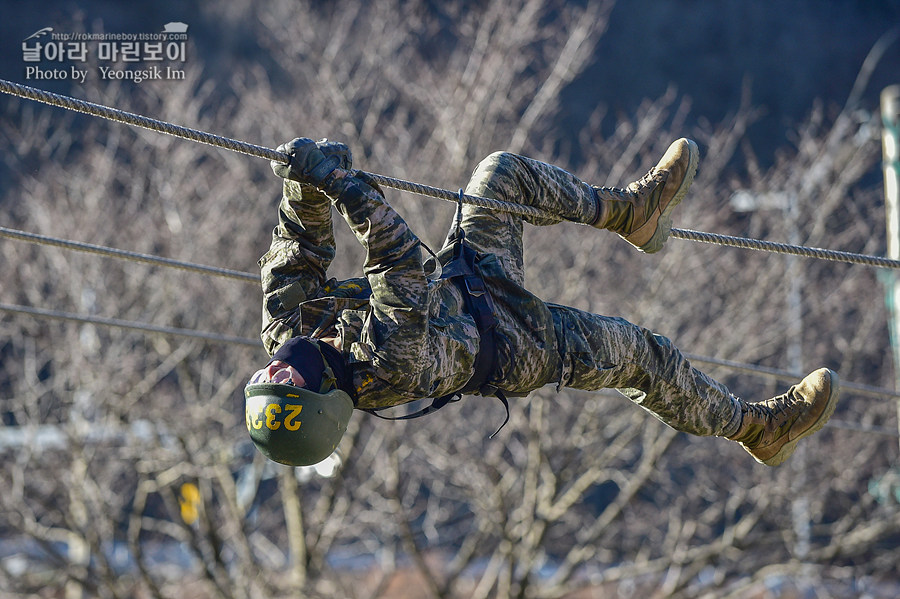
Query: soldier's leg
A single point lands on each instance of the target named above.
(640, 212)
(513, 178)
(601, 352)
(604, 352)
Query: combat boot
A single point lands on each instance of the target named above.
(641, 213)
(770, 429)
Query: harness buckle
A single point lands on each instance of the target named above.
(475, 286)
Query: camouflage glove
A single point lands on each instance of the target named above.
(312, 163)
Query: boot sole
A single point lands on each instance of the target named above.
(664, 224)
(785, 452)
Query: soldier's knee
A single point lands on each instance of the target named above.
(496, 161)
(496, 172)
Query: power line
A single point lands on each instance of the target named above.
(858, 388)
(121, 116)
(786, 375)
(860, 428)
(218, 338)
(127, 255)
(129, 324)
(251, 278)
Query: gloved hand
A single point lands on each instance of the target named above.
(312, 162)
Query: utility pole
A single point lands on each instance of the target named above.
(890, 144)
(794, 330)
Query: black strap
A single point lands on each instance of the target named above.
(461, 270)
(436, 404)
(500, 395)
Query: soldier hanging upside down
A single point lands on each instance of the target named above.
(403, 333)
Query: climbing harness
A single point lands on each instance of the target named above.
(458, 263)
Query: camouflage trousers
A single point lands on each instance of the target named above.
(590, 351)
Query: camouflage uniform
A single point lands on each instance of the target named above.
(407, 337)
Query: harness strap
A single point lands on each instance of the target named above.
(460, 269)
(479, 305)
(436, 404)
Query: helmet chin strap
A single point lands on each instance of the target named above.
(336, 370)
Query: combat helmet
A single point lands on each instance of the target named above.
(298, 426)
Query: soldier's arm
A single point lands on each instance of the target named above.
(294, 268)
(394, 336)
(398, 325)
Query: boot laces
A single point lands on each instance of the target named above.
(779, 408)
(654, 178)
(618, 191)
(649, 178)
(652, 181)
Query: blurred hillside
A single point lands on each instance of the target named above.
(782, 55)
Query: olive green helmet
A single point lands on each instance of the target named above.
(295, 426)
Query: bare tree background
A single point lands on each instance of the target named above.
(135, 478)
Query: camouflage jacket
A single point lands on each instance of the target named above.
(405, 337)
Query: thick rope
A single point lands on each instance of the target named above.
(455, 196)
(127, 255)
(121, 116)
(129, 118)
(784, 248)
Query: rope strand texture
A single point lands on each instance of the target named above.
(784, 248)
(129, 118)
(121, 116)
